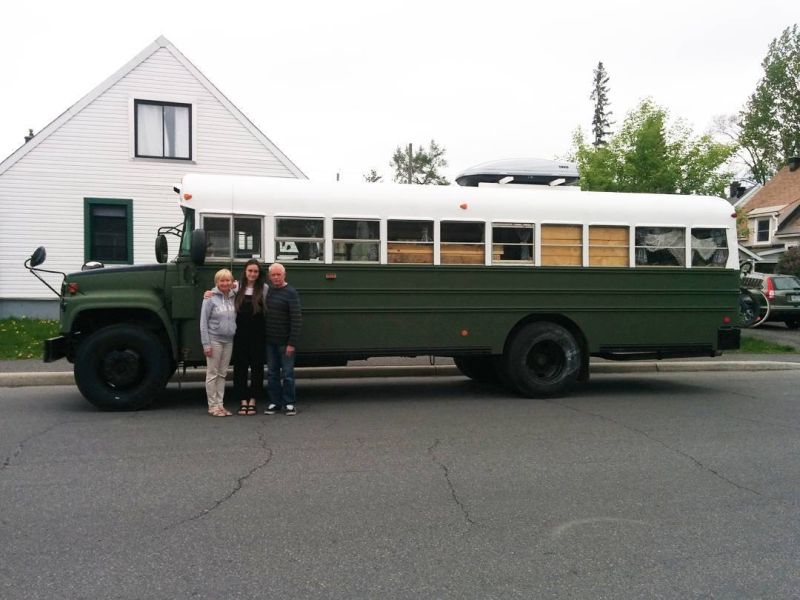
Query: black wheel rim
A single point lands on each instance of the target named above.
(122, 369)
(546, 360)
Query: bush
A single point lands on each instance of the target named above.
(789, 263)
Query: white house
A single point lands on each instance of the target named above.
(96, 183)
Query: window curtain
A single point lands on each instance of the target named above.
(176, 131)
(148, 121)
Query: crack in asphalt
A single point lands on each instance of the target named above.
(21, 445)
(665, 445)
(237, 486)
(446, 471)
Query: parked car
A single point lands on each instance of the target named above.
(782, 293)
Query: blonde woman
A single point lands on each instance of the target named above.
(217, 328)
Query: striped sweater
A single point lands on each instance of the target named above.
(284, 317)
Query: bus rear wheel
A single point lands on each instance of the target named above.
(479, 368)
(121, 367)
(543, 360)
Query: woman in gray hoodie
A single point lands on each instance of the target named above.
(217, 328)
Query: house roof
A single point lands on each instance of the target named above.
(780, 191)
(160, 42)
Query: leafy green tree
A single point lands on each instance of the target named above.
(769, 125)
(649, 155)
(600, 121)
(372, 176)
(421, 167)
(789, 263)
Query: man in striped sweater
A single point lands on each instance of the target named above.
(283, 322)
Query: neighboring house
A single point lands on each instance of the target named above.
(97, 182)
(773, 216)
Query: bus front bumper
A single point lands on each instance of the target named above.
(55, 348)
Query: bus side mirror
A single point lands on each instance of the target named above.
(162, 248)
(198, 249)
(37, 257)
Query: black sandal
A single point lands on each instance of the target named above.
(251, 409)
(243, 409)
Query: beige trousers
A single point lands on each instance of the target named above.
(216, 369)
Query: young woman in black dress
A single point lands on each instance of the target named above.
(249, 344)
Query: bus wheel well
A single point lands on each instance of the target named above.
(564, 322)
(91, 321)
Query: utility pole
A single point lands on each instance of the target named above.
(410, 165)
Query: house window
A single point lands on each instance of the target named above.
(163, 129)
(108, 230)
(762, 230)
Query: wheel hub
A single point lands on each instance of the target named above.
(122, 368)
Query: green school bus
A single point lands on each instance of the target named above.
(519, 284)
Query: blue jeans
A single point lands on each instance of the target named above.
(281, 375)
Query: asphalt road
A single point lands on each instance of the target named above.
(677, 485)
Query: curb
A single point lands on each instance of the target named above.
(198, 375)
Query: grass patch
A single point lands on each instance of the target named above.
(751, 345)
(22, 338)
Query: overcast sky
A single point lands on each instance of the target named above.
(338, 85)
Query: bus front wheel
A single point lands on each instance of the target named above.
(542, 360)
(121, 367)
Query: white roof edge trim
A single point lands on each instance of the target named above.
(82, 103)
(160, 42)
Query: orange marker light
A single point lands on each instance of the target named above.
(72, 288)
(330, 275)
(464, 333)
(463, 206)
(187, 196)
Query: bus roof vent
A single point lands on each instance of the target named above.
(521, 171)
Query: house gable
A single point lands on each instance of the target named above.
(87, 153)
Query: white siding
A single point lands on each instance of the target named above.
(90, 156)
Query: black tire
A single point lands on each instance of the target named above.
(792, 323)
(479, 368)
(121, 367)
(542, 360)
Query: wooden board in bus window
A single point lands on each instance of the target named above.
(608, 246)
(561, 245)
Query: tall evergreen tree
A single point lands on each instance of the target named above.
(600, 122)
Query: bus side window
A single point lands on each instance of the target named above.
(247, 237)
(661, 246)
(709, 247)
(218, 236)
(410, 241)
(299, 239)
(462, 243)
(608, 246)
(562, 245)
(356, 240)
(512, 242)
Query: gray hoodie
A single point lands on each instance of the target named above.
(218, 318)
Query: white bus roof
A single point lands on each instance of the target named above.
(276, 196)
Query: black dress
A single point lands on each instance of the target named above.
(248, 352)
